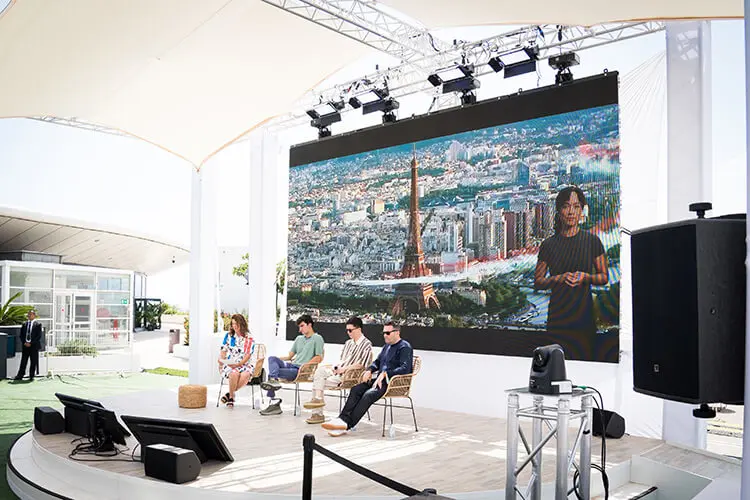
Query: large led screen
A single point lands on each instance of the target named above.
(492, 228)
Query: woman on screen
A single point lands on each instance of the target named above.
(570, 262)
(235, 362)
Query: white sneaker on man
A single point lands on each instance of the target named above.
(337, 433)
(335, 425)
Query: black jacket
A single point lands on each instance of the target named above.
(36, 334)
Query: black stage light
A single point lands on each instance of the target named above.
(496, 64)
(323, 116)
(520, 62)
(459, 79)
(435, 80)
(562, 64)
(468, 98)
(337, 105)
(564, 61)
(465, 84)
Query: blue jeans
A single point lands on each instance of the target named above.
(281, 370)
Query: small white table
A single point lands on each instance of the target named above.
(559, 411)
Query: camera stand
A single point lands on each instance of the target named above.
(540, 414)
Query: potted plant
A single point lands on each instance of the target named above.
(11, 319)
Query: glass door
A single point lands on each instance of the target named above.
(83, 316)
(62, 321)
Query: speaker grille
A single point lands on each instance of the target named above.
(665, 312)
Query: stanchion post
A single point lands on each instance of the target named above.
(307, 445)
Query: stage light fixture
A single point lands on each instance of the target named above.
(387, 106)
(457, 79)
(376, 100)
(562, 64)
(435, 80)
(521, 61)
(324, 115)
(496, 64)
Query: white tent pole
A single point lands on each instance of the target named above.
(202, 279)
(689, 169)
(745, 489)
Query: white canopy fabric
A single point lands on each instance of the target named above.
(187, 76)
(445, 13)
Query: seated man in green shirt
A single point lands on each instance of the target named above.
(307, 347)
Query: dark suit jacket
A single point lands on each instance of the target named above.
(36, 334)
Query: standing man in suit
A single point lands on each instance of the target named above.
(31, 336)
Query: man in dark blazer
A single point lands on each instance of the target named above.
(31, 338)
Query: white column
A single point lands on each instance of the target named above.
(689, 166)
(264, 155)
(202, 278)
(745, 489)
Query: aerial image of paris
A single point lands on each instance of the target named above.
(445, 232)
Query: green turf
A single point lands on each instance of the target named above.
(18, 400)
(168, 371)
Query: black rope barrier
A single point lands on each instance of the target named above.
(309, 446)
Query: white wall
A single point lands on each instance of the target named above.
(234, 291)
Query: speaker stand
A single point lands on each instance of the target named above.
(704, 411)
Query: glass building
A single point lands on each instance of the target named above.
(73, 303)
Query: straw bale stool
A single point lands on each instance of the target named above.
(192, 396)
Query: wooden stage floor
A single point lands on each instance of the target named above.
(452, 452)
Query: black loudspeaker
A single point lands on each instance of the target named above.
(689, 310)
(77, 422)
(169, 463)
(614, 424)
(48, 420)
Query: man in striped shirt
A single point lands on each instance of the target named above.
(357, 352)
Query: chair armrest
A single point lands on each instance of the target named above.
(352, 376)
(399, 386)
(306, 372)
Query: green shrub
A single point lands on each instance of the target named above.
(77, 347)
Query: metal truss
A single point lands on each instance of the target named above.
(420, 53)
(411, 77)
(368, 23)
(75, 123)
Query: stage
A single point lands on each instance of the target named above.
(454, 453)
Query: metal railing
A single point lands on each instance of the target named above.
(77, 342)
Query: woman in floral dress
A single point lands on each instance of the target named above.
(236, 359)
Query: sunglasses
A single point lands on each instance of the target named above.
(350, 330)
(387, 333)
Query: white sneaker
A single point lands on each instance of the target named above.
(337, 433)
(335, 425)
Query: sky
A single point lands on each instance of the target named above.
(129, 184)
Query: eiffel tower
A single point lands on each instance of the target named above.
(414, 296)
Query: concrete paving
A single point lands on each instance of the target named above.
(153, 350)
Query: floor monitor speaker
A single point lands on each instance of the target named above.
(48, 420)
(609, 423)
(169, 463)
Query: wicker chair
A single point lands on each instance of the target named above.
(260, 350)
(351, 377)
(257, 377)
(399, 387)
(305, 374)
